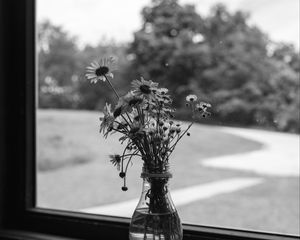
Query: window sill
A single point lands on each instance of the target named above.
(51, 224)
(12, 234)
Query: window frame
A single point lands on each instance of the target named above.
(18, 150)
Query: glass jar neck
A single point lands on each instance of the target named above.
(166, 175)
(151, 172)
(158, 183)
(155, 193)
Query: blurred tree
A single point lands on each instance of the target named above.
(285, 85)
(62, 67)
(165, 48)
(288, 54)
(221, 58)
(238, 76)
(58, 66)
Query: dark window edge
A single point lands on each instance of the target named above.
(18, 219)
(93, 226)
(15, 234)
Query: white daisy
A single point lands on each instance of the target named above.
(100, 70)
(191, 98)
(144, 88)
(162, 91)
(202, 106)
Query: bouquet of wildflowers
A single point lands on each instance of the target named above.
(144, 118)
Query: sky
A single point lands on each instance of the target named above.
(95, 20)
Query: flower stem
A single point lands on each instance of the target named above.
(112, 87)
(174, 145)
(118, 97)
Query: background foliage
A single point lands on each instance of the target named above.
(250, 80)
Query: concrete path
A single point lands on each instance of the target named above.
(180, 197)
(278, 157)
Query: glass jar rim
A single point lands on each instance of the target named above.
(156, 175)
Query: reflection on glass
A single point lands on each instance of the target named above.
(238, 169)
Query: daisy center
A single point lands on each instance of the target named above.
(134, 130)
(135, 101)
(145, 89)
(101, 71)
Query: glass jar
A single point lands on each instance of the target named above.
(155, 216)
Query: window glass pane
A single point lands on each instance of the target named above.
(239, 168)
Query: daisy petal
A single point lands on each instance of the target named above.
(102, 78)
(90, 68)
(91, 74)
(95, 64)
(94, 80)
(90, 77)
(110, 75)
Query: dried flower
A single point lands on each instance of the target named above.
(122, 174)
(108, 118)
(116, 160)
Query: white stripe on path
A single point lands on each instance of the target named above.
(180, 197)
(278, 157)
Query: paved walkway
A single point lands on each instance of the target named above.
(278, 157)
(180, 197)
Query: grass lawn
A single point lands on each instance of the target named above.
(74, 173)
